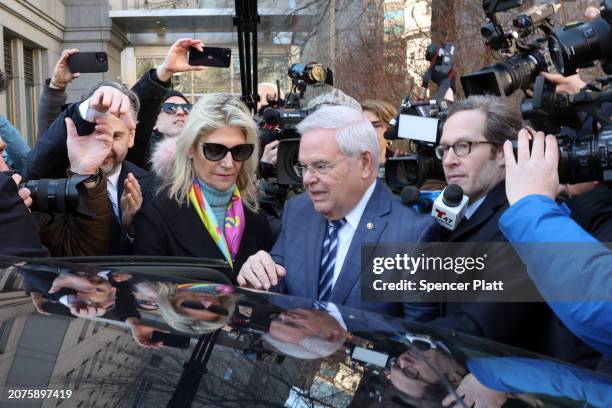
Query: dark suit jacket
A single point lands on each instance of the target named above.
(531, 326)
(299, 245)
(18, 234)
(49, 158)
(164, 228)
(120, 243)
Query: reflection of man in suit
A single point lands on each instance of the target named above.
(319, 247)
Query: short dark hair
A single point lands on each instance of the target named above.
(134, 101)
(503, 119)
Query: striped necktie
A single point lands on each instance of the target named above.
(328, 259)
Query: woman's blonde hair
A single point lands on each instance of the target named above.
(188, 324)
(384, 111)
(212, 112)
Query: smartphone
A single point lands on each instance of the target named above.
(211, 57)
(170, 340)
(88, 62)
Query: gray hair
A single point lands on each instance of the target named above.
(354, 132)
(309, 348)
(134, 101)
(334, 97)
(503, 119)
(188, 324)
(212, 112)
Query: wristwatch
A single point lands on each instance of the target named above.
(96, 177)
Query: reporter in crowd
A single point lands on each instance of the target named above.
(170, 122)
(208, 207)
(150, 89)
(344, 207)
(127, 184)
(18, 234)
(74, 234)
(472, 157)
(534, 217)
(379, 113)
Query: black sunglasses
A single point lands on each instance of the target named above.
(216, 151)
(192, 304)
(171, 108)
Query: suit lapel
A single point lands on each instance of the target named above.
(495, 199)
(378, 206)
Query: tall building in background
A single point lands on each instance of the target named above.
(136, 35)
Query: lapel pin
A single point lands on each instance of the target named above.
(370, 226)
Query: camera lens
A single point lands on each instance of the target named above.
(54, 195)
(578, 46)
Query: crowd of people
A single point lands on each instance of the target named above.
(165, 177)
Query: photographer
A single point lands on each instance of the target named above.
(127, 184)
(67, 234)
(18, 235)
(531, 185)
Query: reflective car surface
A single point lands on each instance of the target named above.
(76, 335)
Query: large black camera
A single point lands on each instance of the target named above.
(279, 123)
(57, 195)
(579, 45)
(582, 157)
(526, 58)
(421, 123)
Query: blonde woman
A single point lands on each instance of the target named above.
(207, 206)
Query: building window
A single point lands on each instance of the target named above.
(5, 333)
(30, 97)
(8, 70)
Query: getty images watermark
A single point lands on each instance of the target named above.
(445, 272)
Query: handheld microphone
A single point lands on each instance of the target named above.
(449, 208)
(412, 196)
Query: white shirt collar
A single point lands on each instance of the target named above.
(354, 216)
(473, 207)
(113, 178)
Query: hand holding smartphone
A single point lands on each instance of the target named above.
(88, 62)
(210, 57)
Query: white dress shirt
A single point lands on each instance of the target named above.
(346, 233)
(473, 207)
(112, 188)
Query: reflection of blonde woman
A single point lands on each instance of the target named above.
(196, 308)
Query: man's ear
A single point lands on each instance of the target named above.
(131, 138)
(366, 164)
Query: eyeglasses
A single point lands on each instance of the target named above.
(216, 151)
(320, 167)
(171, 108)
(461, 149)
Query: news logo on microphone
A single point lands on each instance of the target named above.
(449, 208)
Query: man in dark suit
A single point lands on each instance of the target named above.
(472, 157)
(127, 184)
(318, 252)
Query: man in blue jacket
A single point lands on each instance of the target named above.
(534, 217)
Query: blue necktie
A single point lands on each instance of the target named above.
(328, 259)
